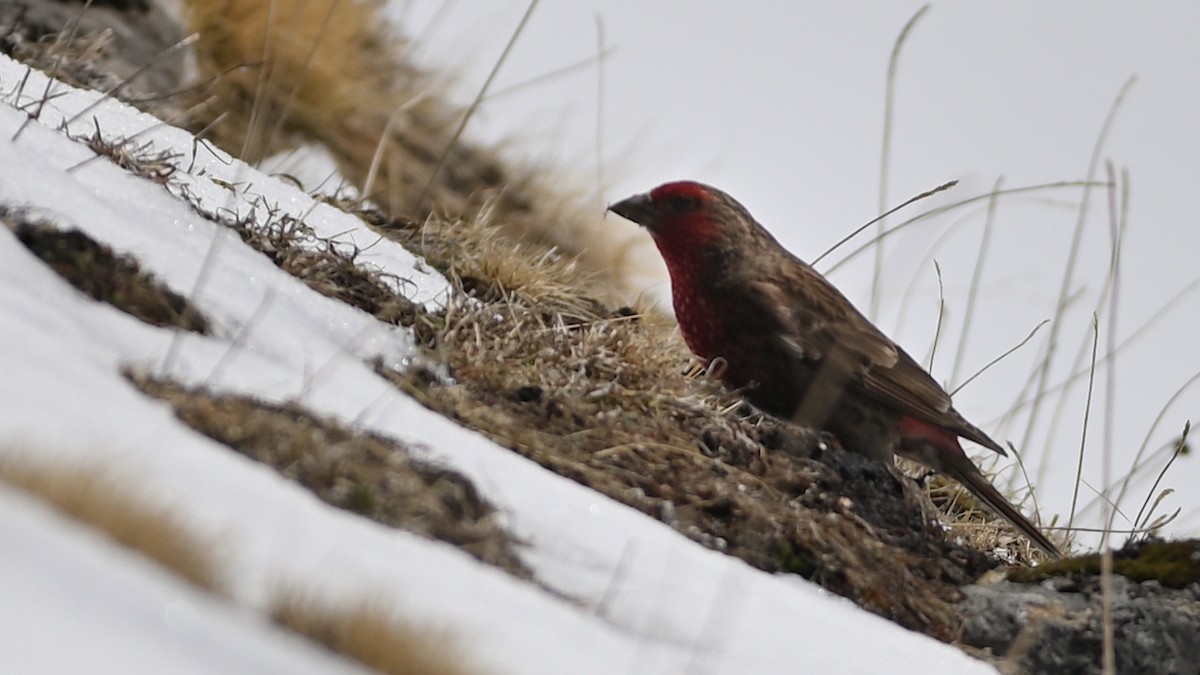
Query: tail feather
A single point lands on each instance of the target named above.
(974, 480)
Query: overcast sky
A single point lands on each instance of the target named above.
(781, 104)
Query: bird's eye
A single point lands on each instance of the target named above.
(683, 203)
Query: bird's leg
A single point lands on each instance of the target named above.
(716, 368)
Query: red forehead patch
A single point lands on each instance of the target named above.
(684, 189)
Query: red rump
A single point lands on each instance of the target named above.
(914, 429)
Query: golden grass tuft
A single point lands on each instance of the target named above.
(109, 504)
(290, 71)
(369, 635)
(286, 72)
(282, 69)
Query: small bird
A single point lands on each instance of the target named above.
(796, 347)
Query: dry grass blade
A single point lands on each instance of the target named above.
(466, 117)
(1043, 371)
(874, 241)
(562, 71)
(1001, 357)
(885, 160)
(1107, 304)
(1180, 448)
(1037, 511)
(976, 277)
(1087, 411)
(1139, 457)
(601, 50)
(1106, 567)
(879, 219)
(1141, 331)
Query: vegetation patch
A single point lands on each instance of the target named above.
(367, 634)
(1174, 564)
(129, 49)
(99, 499)
(331, 269)
(359, 631)
(35, 37)
(364, 473)
(281, 74)
(103, 275)
(138, 159)
(612, 399)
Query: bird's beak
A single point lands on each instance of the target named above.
(638, 208)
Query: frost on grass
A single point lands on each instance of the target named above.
(103, 275)
(367, 474)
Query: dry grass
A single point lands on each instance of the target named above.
(74, 57)
(369, 475)
(603, 397)
(291, 71)
(369, 635)
(328, 268)
(968, 520)
(137, 158)
(103, 275)
(103, 46)
(101, 500)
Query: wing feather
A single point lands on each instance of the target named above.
(821, 325)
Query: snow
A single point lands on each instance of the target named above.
(76, 603)
(630, 594)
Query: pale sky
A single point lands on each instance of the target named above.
(781, 104)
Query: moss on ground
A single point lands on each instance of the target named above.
(1174, 564)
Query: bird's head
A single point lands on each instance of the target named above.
(694, 225)
(681, 210)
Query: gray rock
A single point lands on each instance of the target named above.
(1057, 627)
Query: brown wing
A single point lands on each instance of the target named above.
(822, 325)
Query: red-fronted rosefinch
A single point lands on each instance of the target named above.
(795, 346)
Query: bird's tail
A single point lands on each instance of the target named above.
(966, 473)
